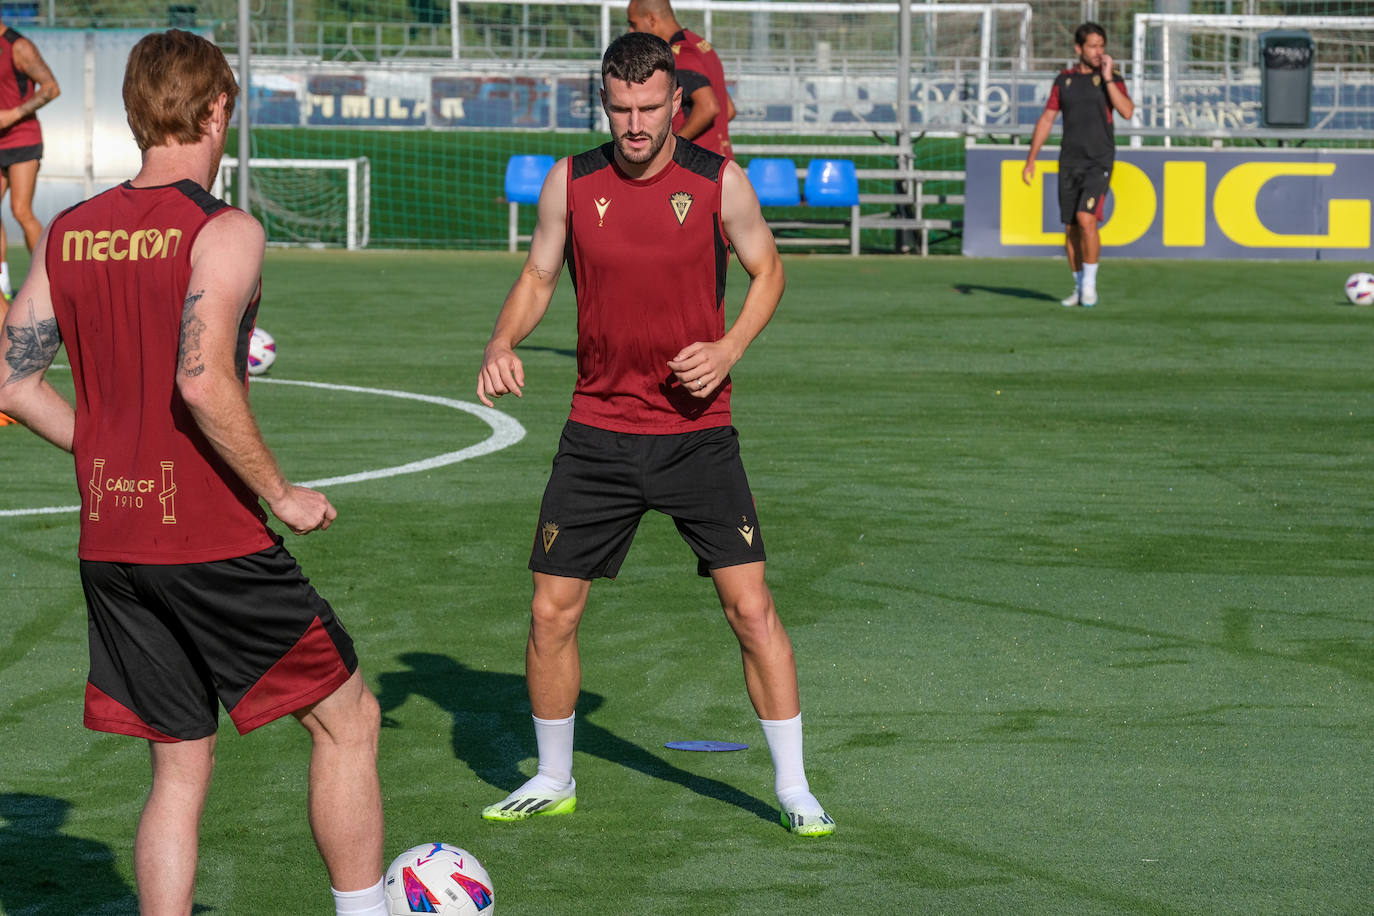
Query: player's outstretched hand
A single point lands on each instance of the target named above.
(501, 373)
(702, 367)
(304, 510)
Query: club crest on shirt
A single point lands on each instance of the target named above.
(1068, 81)
(1097, 80)
(682, 202)
(601, 206)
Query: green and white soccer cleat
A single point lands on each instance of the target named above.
(820, 824)
(522, 804)
(1071, 300)
(1089, 298)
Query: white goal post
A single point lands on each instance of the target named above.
(311, 202)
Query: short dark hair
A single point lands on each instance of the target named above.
(636, 56)
(1080, 35)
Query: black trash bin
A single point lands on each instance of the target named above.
(1285, 78)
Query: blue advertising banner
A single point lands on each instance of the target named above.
(1182, 203)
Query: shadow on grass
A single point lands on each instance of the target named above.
(46, 871)
(492, 732)
(1016, 292)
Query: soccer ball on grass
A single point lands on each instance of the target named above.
(438, 878)
(1359, 289)
(262, 352)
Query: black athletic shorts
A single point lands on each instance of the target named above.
(1082, 188)
(170, 643)
(603, 483)
(9, 157)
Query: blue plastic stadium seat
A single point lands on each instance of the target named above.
(832, 183)
(775, 182)
(524, 177)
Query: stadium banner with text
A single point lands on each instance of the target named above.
(1182, 203)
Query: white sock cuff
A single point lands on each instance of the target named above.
(781, 723)
(370, 901)
(554, 722)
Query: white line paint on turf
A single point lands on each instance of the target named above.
(505, 432)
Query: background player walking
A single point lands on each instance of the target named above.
(646, 220)
(1087, 93)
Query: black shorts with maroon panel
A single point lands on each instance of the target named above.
(1083, 189)
(603, 482)
(170, 643)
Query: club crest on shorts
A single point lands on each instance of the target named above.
(550, 533)
(1092, 202)
(682, 202)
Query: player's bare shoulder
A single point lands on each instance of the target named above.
(231, 230)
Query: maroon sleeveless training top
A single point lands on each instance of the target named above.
(153, 489)
(648, 260)
(15, 89)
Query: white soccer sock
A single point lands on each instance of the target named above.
(1090, 276)
(5, 278)
(784, 737)
(555, 740)
(369, 902)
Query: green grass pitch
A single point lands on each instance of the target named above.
(1083, 603)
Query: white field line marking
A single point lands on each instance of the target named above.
(505, 432)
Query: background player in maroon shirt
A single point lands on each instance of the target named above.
(172, 640)
(21, 141)
(26, 85)
(647, 209)
(707, 108)
(1087, 94)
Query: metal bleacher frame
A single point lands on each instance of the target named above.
(913, 197)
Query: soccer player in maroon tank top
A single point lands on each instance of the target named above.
(26, 85)
(193, 602)
(707, 108)
(645, 224)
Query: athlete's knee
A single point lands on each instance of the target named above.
(752, 614)
(553, 612)
(350, 715)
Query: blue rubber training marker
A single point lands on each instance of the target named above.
(706, 746)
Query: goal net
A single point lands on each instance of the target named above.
(1204, 70)
(312, 202)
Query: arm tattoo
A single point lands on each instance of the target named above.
(32, 348)
(189, 358)
(540, 272)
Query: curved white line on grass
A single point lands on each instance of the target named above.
(505, 432)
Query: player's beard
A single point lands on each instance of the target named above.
(646, 155)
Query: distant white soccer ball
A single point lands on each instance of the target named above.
(438, 878)
(262, 352)
(1359, 289)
